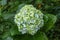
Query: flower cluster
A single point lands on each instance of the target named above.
(29, 20)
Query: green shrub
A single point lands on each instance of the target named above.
(13, 10)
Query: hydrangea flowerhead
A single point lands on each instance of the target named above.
(29, 20)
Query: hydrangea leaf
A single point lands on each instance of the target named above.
(8, 38)
(14, 31)
(8, 16)
(37, 36)
(5, 35)
(49, 21)
(40, 36)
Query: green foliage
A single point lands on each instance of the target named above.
(8, 9)
(3, 2)
(38, 1)
(38, 36)
(49, 21)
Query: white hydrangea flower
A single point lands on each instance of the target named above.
(29, 20)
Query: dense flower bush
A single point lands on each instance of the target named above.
(29, 19)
